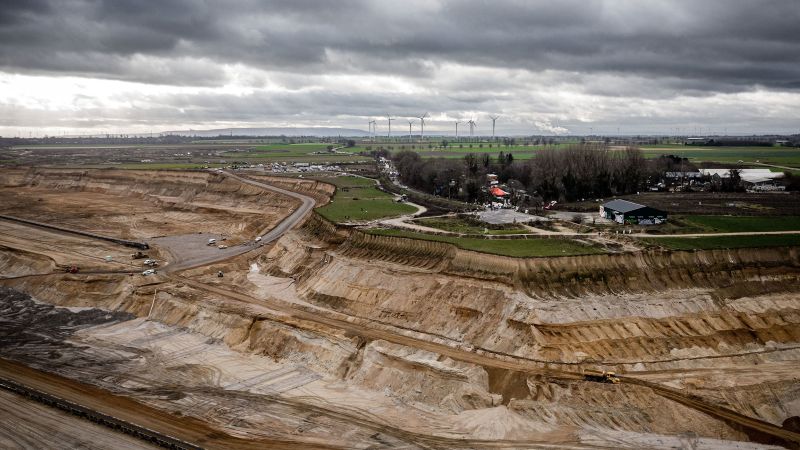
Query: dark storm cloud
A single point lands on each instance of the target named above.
(709, 46)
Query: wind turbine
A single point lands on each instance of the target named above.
(457, 122)
(494, 119)
(472, 125)
(373, 128)
(410, 122)
(390, 125)
(422, 124)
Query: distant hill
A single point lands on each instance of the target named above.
(290, 131)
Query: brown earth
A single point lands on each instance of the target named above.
(338, 337)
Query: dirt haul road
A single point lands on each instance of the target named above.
(267, 236)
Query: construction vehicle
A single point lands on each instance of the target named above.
(149, 272)
(150, 262)
(138, 255)
(601, 377)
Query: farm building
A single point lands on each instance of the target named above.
(623, 211)
(754, 184)
(497, 192)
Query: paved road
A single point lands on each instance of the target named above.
(267, 235)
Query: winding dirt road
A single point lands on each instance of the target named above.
(267, 235)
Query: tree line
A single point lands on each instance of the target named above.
(564, 173)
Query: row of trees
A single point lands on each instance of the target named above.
(564, 173)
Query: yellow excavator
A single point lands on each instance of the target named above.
(601, 377)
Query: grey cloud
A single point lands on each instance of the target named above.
(719, 45)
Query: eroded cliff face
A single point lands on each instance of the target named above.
(465, 398)
(676, 313)
(615, 309)
(275, 353)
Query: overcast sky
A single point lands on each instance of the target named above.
(95, 66)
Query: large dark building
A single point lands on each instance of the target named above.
(623, 211)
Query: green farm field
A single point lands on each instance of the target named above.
(735, 224)
(726, 242)
(295, 153)
(785, 156)
(520, 248)
(458, 225)
(357, 199)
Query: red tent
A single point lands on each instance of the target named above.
(497, 192)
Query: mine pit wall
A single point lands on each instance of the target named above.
(320, 191)
(731, 273)
(622, 309)
(488, 313)
(415, 376)
(197, 191)
(575, 276)
(326, 350)
(632, 312)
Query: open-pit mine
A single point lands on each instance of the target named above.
(259, 324)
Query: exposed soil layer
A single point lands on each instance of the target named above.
(27, 424)
(138, 204)
(333, 337)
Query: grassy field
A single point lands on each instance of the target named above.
(725, 242)
(520, 248)
(459, 225)
(357, 199)
(771, 155)
(733, 224)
